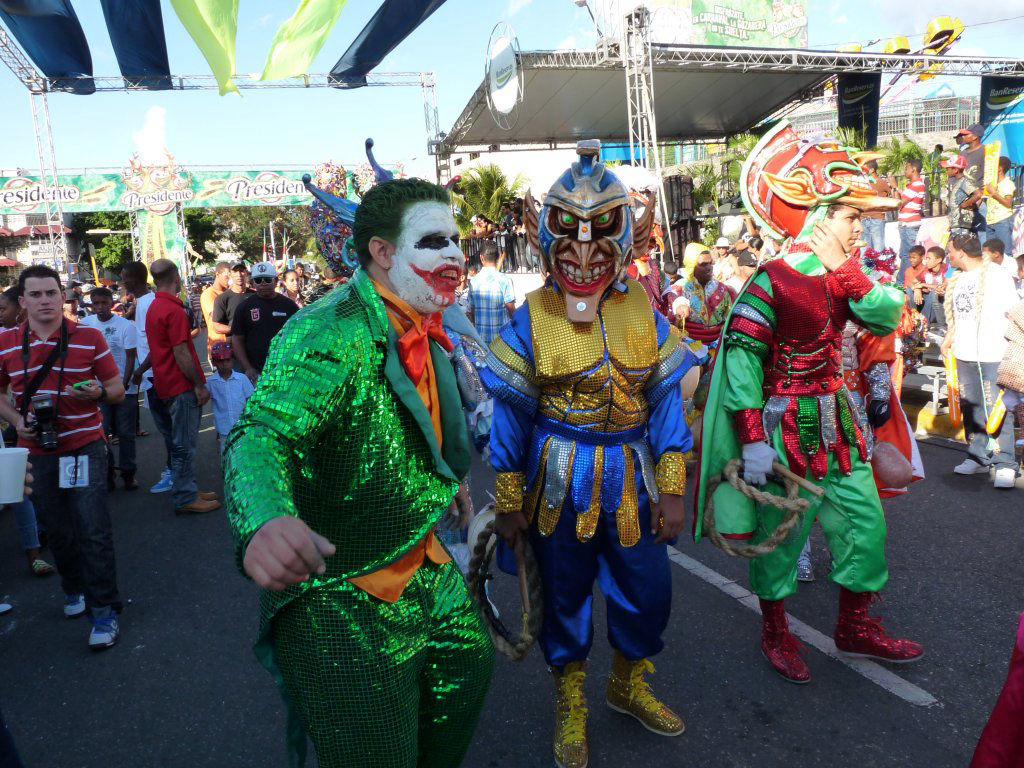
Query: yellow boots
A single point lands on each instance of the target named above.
(570, 717)
(629, 693)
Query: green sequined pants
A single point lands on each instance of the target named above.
(392, 685)
(853, 522)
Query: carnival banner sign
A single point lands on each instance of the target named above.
(761, 23)
(1002, 114)
(157, 189)
(857, 100)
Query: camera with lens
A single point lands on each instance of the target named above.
(46, 422)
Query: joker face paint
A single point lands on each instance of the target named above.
(428, 262)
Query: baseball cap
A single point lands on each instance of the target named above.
(221, 350)
(976, 128)
(263, 269)
(957, 161)
(722, 242)
(239, 265)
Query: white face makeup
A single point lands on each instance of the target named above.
(428, 262)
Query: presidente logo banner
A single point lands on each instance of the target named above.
(157, 189)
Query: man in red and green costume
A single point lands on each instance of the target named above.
(777, 392)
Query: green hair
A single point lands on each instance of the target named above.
(381, 210)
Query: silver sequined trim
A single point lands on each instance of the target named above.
(771, 414)
(747, 311)
(857, 407)
(512, 378)
(879, 382)
(827, 417)
(643, 453)
(666, 367)
(557, 472)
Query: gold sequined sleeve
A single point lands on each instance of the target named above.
(670, 474)
(302, 384)
(508, 488)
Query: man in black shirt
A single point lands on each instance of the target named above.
(258, 318)
(227, 303)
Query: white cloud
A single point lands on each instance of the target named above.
(842, 19)
(515, 6)
(567, 43)
(151, 141)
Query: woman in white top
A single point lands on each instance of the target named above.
(977, 302)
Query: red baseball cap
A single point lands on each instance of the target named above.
(957, 161)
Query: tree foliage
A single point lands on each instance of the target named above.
(201, 229)
(482, 192)
(112, 251)
(244, 229)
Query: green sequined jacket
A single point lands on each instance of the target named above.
(337, 435)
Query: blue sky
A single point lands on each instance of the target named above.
(273, 127)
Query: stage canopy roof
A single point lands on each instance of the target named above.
(699, 93)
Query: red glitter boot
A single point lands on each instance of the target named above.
(778, 646)
(858, 634)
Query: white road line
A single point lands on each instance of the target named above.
(206, 429)
(873, 671)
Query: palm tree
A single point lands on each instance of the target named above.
(897, 152)
(482, 192)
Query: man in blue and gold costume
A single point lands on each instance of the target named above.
(588, 440)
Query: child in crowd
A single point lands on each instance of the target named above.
(916, 269)
(229, 390)
(930, 287)
(994, 250)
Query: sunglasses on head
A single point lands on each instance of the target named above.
(262, 280)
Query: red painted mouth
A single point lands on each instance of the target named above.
(444, 280)
(583, 283)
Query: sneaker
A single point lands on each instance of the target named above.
(74, 606)
(5, 608)
(804, 569)
(1005, 477)
(163, 485)
(104, 632)
(197, 507)
(969, 467)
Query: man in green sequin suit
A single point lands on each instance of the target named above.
(349, 451)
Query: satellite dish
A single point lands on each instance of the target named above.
(503, 76)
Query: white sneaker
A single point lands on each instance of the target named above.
(969, 467)
(5, 608)
(163, 485)
(74, 606)
(104, 632)
(1006, 477)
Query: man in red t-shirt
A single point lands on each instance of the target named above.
(179, 381)
(58, 373)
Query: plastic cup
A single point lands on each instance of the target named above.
(12, 474)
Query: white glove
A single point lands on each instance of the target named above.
(757, 462)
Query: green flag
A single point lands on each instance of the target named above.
(213, 25)
(300, 39)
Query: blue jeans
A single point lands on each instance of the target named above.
(162, 419)
(78, 523)
(185, 413)
(1004, 231)
(973, 387)
(120, 420)
(25, 517)
(8, 752)
(874, 233)
(908, 236)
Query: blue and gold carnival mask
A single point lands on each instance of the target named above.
(585, 232)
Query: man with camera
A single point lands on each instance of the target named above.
(59, 373)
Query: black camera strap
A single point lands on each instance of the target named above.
(59, 351)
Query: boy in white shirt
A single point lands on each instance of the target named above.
(229, 390)
(118, 420)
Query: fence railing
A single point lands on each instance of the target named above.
(513, 252)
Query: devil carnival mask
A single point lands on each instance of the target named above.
(585, 232)
(427, 264)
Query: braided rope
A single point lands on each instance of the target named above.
(530, 588)
(794, 507)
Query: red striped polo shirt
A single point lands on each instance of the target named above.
(79, 422)
(913, 198)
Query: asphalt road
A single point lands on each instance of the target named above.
(182, 687)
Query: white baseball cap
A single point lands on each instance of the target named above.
(263, 269)
(722, 242)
